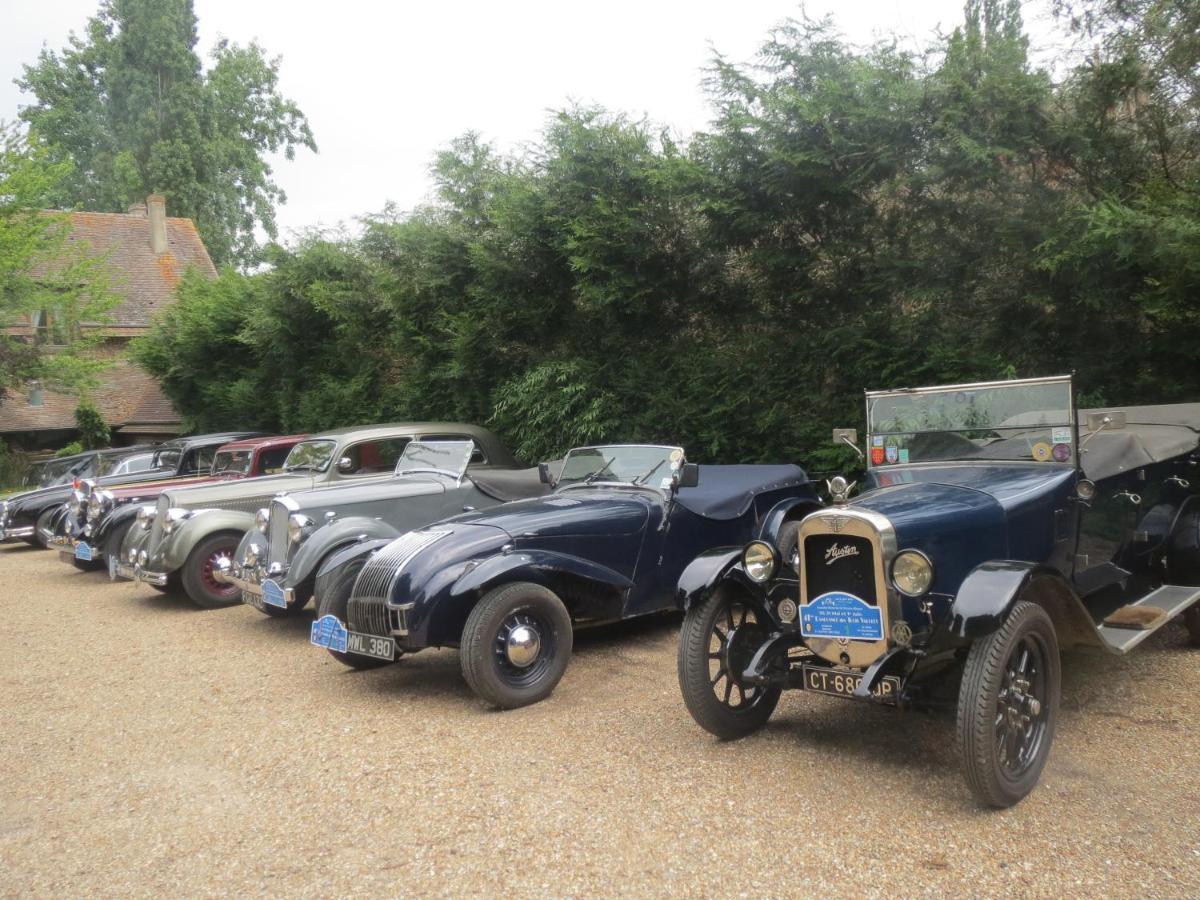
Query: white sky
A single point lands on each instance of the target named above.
(387, 84)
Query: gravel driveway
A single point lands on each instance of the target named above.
(153, 748)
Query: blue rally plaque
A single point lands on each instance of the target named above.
(83, 551)
(328, 632)
(840, 615)
(272, 594)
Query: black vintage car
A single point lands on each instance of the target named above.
(997, 527)
(506, 585)
(35, 516)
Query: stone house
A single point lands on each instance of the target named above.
(145, 254)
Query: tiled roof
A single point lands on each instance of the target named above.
(146, 281)
(127, 395)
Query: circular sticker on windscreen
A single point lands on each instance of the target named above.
(1061, 452)
(1041, 451)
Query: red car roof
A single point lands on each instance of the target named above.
(274, 440)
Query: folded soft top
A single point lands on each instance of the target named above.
(506, 485)
(725, 492)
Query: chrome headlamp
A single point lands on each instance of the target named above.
(75, 504)
(298, 526)
(99, 503)
(173, 518)
(262, 520)
(145, 515)
(253, 551)
(912, 573)
(758, 559)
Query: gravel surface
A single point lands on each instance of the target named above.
(153, 748)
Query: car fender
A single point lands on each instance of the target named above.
(538, 566)
(992, 589)
(113, 522)
(178, 545)
(328, 538)
(704, 573)
(348, 554)
(790, 508)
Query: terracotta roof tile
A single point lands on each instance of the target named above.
(122, 242)
(127, 395)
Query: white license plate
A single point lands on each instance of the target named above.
(371, 645)
(843, 684)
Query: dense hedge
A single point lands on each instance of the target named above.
(853, 219)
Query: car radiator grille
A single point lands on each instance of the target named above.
(835, 562)
(382, 570)
(277, 539)
(369, 615)
(160, 516)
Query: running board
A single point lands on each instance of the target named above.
(1171, 598)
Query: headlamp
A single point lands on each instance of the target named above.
(758, 559)
(173, 518)
(262, 520)
(297, 526)
(912, 573)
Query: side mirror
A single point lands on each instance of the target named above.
(849, 438)
(689, 475)
(345, 464)
(544, 475)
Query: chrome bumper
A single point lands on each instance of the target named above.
(250, 585)
(140, 575)
(17, 534)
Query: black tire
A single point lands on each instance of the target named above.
(1008, 706)
(42, 524)
(196, 573)
(1191, 618)
(112, 546)
(787, 542)
(333, 599)
(498, 671)
(716, 642)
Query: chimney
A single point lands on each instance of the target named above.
(156, 207)
(137, 208)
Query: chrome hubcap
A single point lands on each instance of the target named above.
(522, 646)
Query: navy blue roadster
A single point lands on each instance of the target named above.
(508, 584)
(998, 526)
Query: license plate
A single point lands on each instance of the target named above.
(843, 684)
(272, 594)
(371, 645)
(252, 599)
(83, 552)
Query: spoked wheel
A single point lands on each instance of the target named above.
(516, 645)
(717, 642)
(1008, 706)
(199, 579)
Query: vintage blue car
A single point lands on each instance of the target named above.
(997, 526)
(507, 585)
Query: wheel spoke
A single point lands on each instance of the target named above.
(728, 689)
(743, 621)
(720, 673)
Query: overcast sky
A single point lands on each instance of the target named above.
(387, 84)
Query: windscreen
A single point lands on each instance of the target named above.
(628, 464)
(448, 457)
(1005, 421)
(232, 462)
(310, 456)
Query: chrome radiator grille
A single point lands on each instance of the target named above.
(381, 571)
(160, 516)
(369, 615)
(277, 539)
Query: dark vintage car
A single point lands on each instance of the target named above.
(90, 535)
(276, 563)
(189, 535)
(507, 585)
(91, 464)
(33, 516)
(997, 527)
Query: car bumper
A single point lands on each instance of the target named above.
(251, 587)
(17, 534)
(140, 575)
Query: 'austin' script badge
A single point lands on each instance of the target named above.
(836, 552)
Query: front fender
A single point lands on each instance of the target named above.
(339, 558)
(329, 537)
(537, 566)
(704, 573)
(992, 589)
(113, 522)
(176, 546)
(790, 508)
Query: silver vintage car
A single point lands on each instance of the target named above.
(277, 561)
(182, 539)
